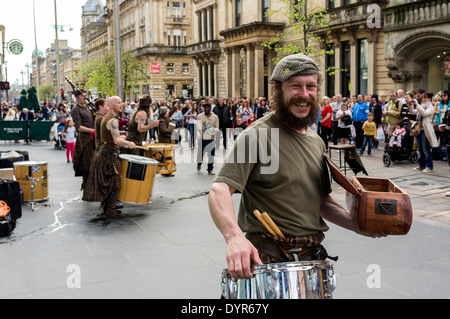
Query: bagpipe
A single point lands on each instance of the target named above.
(78, 92)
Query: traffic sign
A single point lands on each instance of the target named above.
(4, 85)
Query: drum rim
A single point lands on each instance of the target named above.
(30, 163)
(137, 159)
(290, 266)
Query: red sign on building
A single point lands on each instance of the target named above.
(155, 68)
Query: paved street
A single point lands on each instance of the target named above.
(171, 248)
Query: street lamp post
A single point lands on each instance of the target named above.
(36, 56)
(119, 85)
(56, 55)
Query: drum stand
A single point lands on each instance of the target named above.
(34, 181)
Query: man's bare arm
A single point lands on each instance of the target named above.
(239, 250)
(113, 126)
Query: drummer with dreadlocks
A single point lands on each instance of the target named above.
(103, 184)
(140, 124)
(293, 185)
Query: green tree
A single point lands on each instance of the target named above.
(301, 35)
(46, 91)
(100, 74)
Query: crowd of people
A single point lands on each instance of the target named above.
(364, 120)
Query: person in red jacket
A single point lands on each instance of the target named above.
(325, 120)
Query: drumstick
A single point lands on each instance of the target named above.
(258, 215)
(272, 225)
(142, 147)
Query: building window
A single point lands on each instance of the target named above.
(184, 10)
(205, 26)
(331, 4)
(145, 89)
(185, 69)
(200, 79)
(211, 66)
(362, 66)
(185, 37)
(177, 38)
(297, 9)
(346, 2)
(329, 65)
(176, 9)
(200, 38)
(211, 23)
(168, 9)
(345, 65)
(206, 80)
(265, 8)
(238, 13)
(170, 68)
(170, 92)
(168, 37)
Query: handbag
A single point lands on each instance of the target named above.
(347, 120)
(415, 129)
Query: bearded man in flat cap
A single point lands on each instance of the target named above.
(291, 184)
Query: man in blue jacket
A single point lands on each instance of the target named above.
(360, 112)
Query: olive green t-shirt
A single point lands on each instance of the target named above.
(281, 172)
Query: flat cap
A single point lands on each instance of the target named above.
(294, 65)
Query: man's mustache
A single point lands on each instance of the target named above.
(296, 100)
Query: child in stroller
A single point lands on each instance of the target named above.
(405, 149)
(397, 135)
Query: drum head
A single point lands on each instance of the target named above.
(30, 163)
(136, 159)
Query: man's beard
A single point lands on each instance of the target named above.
(285, 115)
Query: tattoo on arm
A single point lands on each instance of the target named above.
(114, 128)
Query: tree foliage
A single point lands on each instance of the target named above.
(100, 74)
(303, 21)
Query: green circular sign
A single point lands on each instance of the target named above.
(15, 47)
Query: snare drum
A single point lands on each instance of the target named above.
(291, 280)
(32, 177)
(137, 178)
(164, 154)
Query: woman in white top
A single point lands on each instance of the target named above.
(191, 115)
(344, 125)
(244, 110)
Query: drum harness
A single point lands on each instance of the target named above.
(292, 248)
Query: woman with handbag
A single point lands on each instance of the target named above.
(426, 137)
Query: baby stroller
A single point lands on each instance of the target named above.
(55, 134)
(407, 150)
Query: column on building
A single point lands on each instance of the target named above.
(353, 62)
(229, 73)
(372, 37)
(337, 64)
(236, 71)
(251, 75)
(259, 70)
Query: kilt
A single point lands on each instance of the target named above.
(104, 178)
(83, 153)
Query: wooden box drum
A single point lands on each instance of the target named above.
(377, 205)
(164, 154)
(33, 179)
(137, 179)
